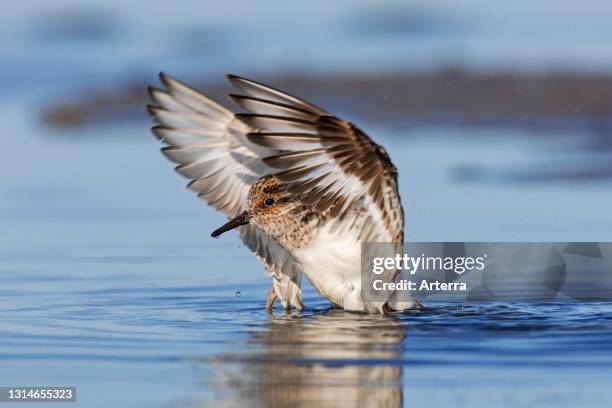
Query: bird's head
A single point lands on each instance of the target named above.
(268, 206)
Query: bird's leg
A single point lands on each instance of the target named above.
(296, 295)
(287, 291)
(271, 299)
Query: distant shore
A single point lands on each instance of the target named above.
(451, 95)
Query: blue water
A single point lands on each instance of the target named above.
(190, 345)
(110, 282)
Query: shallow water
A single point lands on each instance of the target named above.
(111, 283)
(190, 345)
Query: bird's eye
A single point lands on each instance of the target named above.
(269, 201)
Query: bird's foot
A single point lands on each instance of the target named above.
(290, 295)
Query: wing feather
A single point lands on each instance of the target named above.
(263, 107)
(265, 92)
(330, 160)
(212, 149)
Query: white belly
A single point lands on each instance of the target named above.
(332, 263)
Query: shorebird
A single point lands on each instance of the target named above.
(304, 187)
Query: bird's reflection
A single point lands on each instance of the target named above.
(331, 359)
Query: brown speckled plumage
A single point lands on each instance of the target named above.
(291, 223)
(283, 172)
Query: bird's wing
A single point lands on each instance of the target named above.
(332, 162)
(211, 148)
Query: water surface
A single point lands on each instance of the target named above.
(110, 281)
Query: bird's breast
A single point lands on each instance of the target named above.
(331, 262)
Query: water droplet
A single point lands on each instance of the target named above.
(238, 293)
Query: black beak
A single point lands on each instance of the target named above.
(242, 219)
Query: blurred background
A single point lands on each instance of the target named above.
(498, 116)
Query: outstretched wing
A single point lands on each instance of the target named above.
(343, 172)
(340, 168)
(211, 148)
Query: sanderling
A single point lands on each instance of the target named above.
(305, 187)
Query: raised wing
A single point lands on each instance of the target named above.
(211, 148)
(343, 172)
